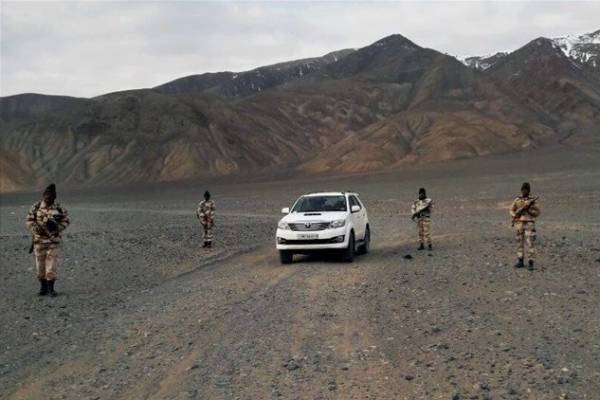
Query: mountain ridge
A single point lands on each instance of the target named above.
(584, 49)
(357, 110)
(240, 84)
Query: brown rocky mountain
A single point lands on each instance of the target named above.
(377, 107)
(443, 111)
(566, 95)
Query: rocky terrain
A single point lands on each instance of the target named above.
(145, 313)
(541, 74)
(381, 107)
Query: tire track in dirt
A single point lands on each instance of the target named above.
(229, 318)
(222, 304)
(132, 325)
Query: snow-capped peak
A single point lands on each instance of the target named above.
(583, 48)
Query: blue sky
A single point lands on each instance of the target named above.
(90, 48)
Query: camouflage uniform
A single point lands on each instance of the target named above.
(525, 225)
(46, 240)
(423, 216)
(206, 215)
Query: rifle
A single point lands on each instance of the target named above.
(523, 209)
(416, 213)
(36, 207)
(51, 227)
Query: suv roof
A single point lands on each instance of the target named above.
(330, 194)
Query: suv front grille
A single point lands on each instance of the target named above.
(309, 226)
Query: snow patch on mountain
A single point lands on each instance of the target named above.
(584, 49)
(482, 62)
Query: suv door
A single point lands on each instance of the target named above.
(358, 218)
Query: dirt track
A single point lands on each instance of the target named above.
(144, 312)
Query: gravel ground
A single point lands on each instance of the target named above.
(145, 313)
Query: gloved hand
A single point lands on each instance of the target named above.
(51, 226)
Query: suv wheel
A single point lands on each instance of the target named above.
(348, 252)
(366, 245)
(286, 257)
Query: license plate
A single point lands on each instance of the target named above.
(308, 236)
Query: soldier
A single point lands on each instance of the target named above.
(206, 215)
(46, 220)
(524, 211)
(421, 212)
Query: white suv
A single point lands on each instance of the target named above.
(324, 221)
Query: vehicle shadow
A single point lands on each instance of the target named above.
(396, 248)
(381, 252)
(329, 256)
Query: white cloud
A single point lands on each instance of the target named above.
(90, 48)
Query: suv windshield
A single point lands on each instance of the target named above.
(320, 203)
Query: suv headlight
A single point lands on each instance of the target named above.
(337, 224)
(283, 225)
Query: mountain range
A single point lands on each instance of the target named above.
(379, 107)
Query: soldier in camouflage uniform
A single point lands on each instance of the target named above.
(421, 212)
(206, 215)
(46, 220)
(524, 211)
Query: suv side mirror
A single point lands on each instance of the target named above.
(285, 210)
(355, 209)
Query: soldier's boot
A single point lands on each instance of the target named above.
(530, 265)
(520, 264)
(429, 247)
(421, 247)
(51, 291)
(43, 288)
(209, 245)
(205, 244)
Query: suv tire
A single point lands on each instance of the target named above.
(348, 252)
(366, 244)
(286, 257)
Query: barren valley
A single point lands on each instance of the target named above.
(144, 312)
